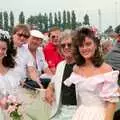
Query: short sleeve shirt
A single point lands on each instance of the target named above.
(40, 62)
(23, 60)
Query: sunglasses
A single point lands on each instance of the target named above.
(22, 35)
(53, 36)
(69, 45)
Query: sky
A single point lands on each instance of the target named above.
(110, 9)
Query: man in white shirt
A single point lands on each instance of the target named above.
(36, 53)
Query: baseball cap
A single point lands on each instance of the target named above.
(37, 33)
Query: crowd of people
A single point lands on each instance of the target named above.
(77, 71)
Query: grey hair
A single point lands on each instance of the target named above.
(66, 34)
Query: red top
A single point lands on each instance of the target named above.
(51, 55)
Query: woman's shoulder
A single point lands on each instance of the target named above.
(109, 73)
(106, 68)
(75, 68)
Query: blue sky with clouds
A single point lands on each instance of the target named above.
(110, 9)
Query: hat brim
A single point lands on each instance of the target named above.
(37, 34)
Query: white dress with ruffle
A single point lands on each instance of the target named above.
(93, 92)
(8, 84)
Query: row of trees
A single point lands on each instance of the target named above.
(43, 22)
(7, 20)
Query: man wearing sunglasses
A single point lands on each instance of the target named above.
(25, 63)
(51, 50)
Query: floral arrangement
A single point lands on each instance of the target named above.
(11, 105)
(13, 108)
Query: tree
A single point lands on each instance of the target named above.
(21, 18)
(55, 19)
(6, 26)
(30, 20)
(33, 22)
(64, 20)
(1, 20)
(59, 19)
(86, 20)
(73, 20)
(45, 20)
(50, 20)
(11, 21)
(68, 20)
(39, 22)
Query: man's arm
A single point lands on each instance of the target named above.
(32, 72)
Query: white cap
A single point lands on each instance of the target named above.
(37, 33)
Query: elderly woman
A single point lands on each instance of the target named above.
(61, 97)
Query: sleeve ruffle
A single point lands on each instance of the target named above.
(110, 88)
(73, 79)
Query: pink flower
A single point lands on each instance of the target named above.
(11, 108)
(95, 30)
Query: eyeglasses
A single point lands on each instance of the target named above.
(22, 35)
(69, 45)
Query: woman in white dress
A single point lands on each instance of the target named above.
(96, 82)
(8, 77)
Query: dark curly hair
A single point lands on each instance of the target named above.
(78, 39)
(8, 60)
